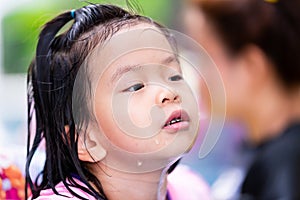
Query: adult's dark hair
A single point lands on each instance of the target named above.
(51, 77)
(272, 25)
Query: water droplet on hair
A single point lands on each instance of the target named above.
(139, 163)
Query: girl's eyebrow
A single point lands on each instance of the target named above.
(122, 70)
(170, 59)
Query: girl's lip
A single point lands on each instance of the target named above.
(183, 121)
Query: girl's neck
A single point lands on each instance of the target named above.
(123, 185)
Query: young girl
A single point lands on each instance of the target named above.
(110, 102)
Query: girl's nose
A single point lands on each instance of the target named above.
(166, 96)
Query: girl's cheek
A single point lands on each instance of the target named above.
(139, 109)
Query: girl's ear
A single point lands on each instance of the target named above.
(90, 150)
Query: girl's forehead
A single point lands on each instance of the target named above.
(141, 42)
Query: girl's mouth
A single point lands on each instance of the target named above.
(178, 120)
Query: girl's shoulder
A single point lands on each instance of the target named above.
(64, 193)
(183, 183)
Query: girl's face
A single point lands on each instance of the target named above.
(142, 104)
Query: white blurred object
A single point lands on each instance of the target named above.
(13, 104)
(227, 186)
(193, 185)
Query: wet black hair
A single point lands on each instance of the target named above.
(51, 78)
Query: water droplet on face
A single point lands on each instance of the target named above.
(139, 163)
(157, 142)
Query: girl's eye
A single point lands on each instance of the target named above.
(176, 78)
(134, 87)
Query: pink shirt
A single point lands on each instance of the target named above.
(182, 184)
(185, 184)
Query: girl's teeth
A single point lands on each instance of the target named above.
(173, 121)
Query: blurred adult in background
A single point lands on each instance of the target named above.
(255, 45)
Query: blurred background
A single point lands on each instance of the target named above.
(20, 23)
